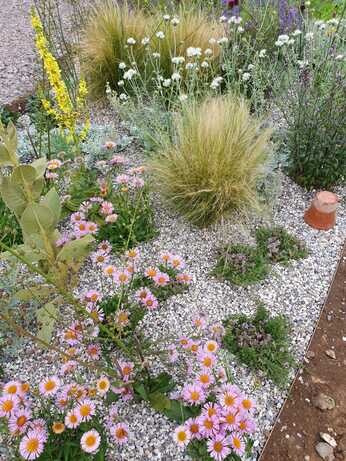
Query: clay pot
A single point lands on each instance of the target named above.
(322, 212)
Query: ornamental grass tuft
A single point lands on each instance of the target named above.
(213, 165)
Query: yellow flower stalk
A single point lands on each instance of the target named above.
(66, 112)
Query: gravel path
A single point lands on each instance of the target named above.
(17, 55)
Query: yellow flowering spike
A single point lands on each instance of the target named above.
(65, 112)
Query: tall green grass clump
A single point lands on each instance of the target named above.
(116, 34)
(215, 161)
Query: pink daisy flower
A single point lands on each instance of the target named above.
(230, 419)
(205, 378)
(109, 145)
(133, 254)
(194, 428)
(151, 272)
(211, 346)
(194, 394)
(210, 425)
(247, 404)
(122, 277)
(32, 445)
(104, 246)
(150, 302)
(111, 218)
(211, 409)
(12, 388)
(86, 409)
(218, 447)
(92, 227)
(237, 443)
(93, 351)
(92, 296)
(229, 397)
(99, 258)
(40, 426)
(106, 208)
(184, 278)
(182, 436)
(166, 257)
(118, 160)
(245, 424)
(49, 386)
(137, 182)
(72, 419)
(142, 294)
(217, 330)
(206, 359)
(125, 392)
(161, 279)
(126, 370)
(77, 217)
(96, 313)
(199, 321)
(120, 433)
(19, 421)
(122, 179)
(90, 441)
(110, 270)
(177, 262)
(172, 353)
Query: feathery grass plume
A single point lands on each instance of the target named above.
(214, 165)
(110, 26)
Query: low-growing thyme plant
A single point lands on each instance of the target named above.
(261, 342)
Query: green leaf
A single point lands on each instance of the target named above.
(46, 317)
(37, 187)
(10, 140)
(141, 391)
(36, 292)
(159, 401)
(13, 196)
(40, 166)
(76, 250)
(179, 413)
(37, 219)
(52, 201)
(5, 157)
(23, 174)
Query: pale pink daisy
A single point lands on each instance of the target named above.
(199, 321)
(40, 426)
(92, 296)
(126, 370)
(137, 170)
(122, 277)
(62, 399)
(205, 378)
(230, 419)
(206, 359)
(86, 409)
(100, 258)
(182, 436)
(133, 254)
(72, 419)
(209, 425)
(211, 346)
(184, 278)
(90, 441)
(122, 179)
(104, 246)
(93, 351)
(245, 424)
(176, 262)
(49, 386)
(92, 227)
(218, 447)
(142, 294)
(194, 394)
(103, 385)
(32, 445)
(161, 279)
(237, 443)
(172, 353)
(81, 228)
(211, 409)
(229, 398)
(151, 272)
(166, 256)
(106, 208)
(111, 218)
(12, 388)
(195, 346)
(109, 270)
(51, 175)
(194, 428)
(120, 433)
(247, 404)
(126, 392)
(73, 334)
(217, 330)
(109, 145)
(151, 302)
(19, 421)
(53, 164)
(96, 313)
(118, 160)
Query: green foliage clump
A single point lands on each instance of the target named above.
(83, 185)
(135, 222)
(10, 231)
(278, 245)
(261, 342)
(242, 264)
(214, 164)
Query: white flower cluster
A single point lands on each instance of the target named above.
(193, 52)
(216, 83)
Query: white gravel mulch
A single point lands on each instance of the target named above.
(297, 290)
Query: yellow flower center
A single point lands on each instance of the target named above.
(194, 395)
(230, 418)
(21, 420)
(7, 406)
(120, 433)
(181, 436)
(218, 447)
(237, 442)
(32, 445)
(12, 389)
(247, 404)
(49, 386)
(229, 400)
(90, 440)
(85, 410)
